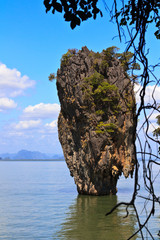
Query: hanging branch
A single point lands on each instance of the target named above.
(138, 13)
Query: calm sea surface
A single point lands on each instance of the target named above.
(38, 200)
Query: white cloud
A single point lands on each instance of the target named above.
(32, 135)
(6, 103)
(152, 127)
(50, 128)
(51, 125)
(149, 100)
(30, 124)
(153, 117)
(37, 127)
(42, 110)
(148, 94)
(12, 84)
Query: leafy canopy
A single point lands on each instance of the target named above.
(75, 11)
(133, 12)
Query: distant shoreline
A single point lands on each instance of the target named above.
(31, 160)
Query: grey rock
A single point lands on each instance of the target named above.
(95, 159)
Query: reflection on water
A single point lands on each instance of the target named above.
(38, 201)
(86, 220)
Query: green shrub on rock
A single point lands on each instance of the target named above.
(106, 127)
(67, 56)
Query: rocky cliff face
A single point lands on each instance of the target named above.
(96, 122)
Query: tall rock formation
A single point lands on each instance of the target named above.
(96, 122)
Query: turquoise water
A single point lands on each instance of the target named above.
(38, 200)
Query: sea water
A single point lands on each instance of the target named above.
(39, 200)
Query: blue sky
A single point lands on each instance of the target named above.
(31, 45)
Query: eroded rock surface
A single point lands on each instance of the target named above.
(96, 122)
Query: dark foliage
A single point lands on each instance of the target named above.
(139, 14)
(75, 11)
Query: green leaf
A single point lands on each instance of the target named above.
(58, 7)
(158, 24)
(68, 16)
(123, 21)
(47, 5)
(77, 21)
(157, 34)
(73, 24)
(82, 15)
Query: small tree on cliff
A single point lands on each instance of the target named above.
(133, 17)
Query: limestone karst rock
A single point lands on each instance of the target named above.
(96, 123)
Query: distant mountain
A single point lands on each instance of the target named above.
(25, 154)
